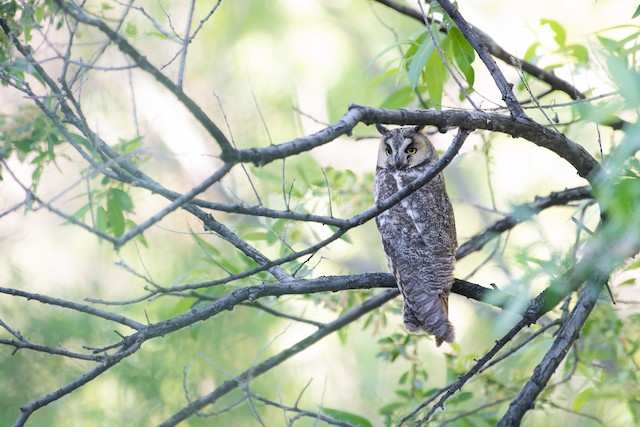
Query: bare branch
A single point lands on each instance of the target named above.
(576, 155)
(108, 362)
(144, 64)
(268, 364)
(522, 213)
(186, 39)
(74, 306)
(472, 37)
(552, 359)
(175, 204)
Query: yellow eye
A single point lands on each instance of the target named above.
(388, 150)
(411, 150)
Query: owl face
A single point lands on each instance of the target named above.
(403, 148)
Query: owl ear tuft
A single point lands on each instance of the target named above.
(419, 128)
(382, 129)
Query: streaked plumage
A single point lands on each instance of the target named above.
(419, 233)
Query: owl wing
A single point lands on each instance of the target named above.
(418, 235)
(426, 303)
(432, 215)
(422, 276)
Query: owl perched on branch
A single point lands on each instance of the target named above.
(418, 233)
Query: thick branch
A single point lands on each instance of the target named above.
(520, 214)
(576, 155)
(564, 340)
(294, 287)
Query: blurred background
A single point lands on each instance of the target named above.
(268, 72)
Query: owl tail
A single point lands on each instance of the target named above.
(431, 317)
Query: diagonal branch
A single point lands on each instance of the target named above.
(472, 37)
(270, 363)
(496, 50)
(27, 410)
(81, 308)
(520, 214)
(176, 203)
(564, 340)
(141, 61)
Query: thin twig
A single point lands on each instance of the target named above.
(186, 39)
(268, 364)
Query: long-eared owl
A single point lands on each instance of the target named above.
(418, 233)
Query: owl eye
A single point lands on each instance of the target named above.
(411, 150)
(388, 150)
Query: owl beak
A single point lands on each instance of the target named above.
(397, 161)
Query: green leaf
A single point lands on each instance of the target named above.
(115, 215)
(626, 79)
(346, 416)
(582, 398)
(127, 147)
(463, 53)
(435, 81)
(101, 219)
(81, 140)
(344, 237)
(38, 14)
(560, 35)
(129, 225)
(390, 408)
(398, 99)
(636, 13)
(403, 393)
(206, 246)
(611, 45)
(122, 199)
(255, 236)
(131, 30)
(418, 61)
(82, 212)
(385, 50)
(403, 378)
(530, 54)
(579, 52)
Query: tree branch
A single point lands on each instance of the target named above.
(556, 354)
(144, 64)
(268, 364)
(117, 318)
(506, 89)
(576, 155)
(520, 214)
(496, 50)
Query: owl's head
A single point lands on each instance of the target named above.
(403, 148)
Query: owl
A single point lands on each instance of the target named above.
(418, 233)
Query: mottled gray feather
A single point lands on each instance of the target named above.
(418, 235)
